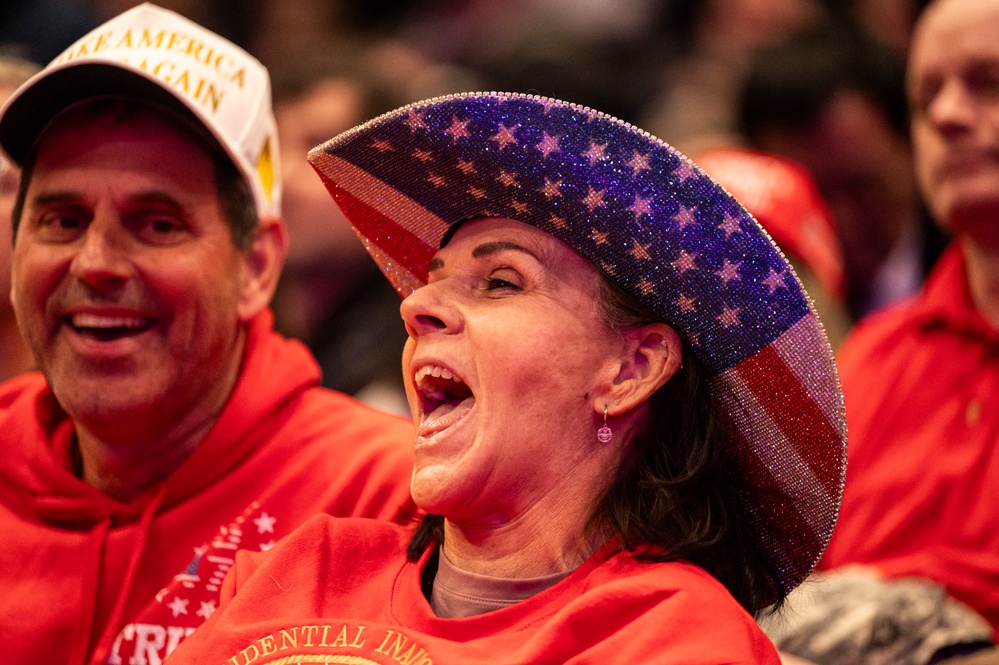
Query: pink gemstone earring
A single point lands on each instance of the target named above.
(604, 434)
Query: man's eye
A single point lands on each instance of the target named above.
(165, 225)
(160, 229)
(61, 225)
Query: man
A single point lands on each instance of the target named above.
(169, 425)
(921, 379)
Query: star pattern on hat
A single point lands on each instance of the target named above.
(595, 152)
(548, 145)
(458, 129)
(584, 179)
(505, 136)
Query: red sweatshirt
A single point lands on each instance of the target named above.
(86, 579)
(341, 591)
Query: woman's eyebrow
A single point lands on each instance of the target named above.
(487, 248)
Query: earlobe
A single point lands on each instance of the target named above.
(652, 355)
(262, 266)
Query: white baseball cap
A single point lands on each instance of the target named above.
(158, 55)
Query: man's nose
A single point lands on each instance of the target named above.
(103, 257)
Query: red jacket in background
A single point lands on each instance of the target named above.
(921, 384)
(342, 591)
(86, 579)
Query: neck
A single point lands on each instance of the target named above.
(126, 470)
(548, 538)
(983, 278)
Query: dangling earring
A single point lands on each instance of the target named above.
(604, 434)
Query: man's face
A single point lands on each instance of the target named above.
(126, 282)
(953, 85)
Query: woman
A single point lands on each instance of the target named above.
(629, 430)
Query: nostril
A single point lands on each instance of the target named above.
(430, 321)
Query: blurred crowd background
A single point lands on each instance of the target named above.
(817, 82)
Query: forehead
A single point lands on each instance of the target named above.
(478, 235)
(956, 33)
(126, 138)
(99, 120)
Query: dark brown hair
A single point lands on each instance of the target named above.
(678, 497)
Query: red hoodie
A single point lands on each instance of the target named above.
(86, 579)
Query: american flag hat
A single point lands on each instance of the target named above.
(663, 230)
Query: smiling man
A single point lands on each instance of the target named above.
(168, 425)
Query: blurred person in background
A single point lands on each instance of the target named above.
(15, 356)
(834, 101)
(330, 294)
(696, 104)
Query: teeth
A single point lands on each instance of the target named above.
(436, 371)
(96, 321)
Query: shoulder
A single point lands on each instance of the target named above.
(325, 543)
(21, 387)
(699, 615)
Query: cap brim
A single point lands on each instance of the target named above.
(30, 110)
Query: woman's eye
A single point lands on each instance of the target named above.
(502, 282)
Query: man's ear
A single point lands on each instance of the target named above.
(262, 264)
(651, 355)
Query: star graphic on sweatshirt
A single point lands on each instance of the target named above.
(265, 523)
(207, 609)
(178, 606)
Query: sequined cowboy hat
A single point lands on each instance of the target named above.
(660, 227)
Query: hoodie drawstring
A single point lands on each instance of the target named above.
(89, 587)
(111, 630)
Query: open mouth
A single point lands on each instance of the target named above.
(108, 328)
(444, 398)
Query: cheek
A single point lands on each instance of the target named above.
(32, 279)
(407, 372)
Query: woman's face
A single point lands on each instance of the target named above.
(507, 357)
